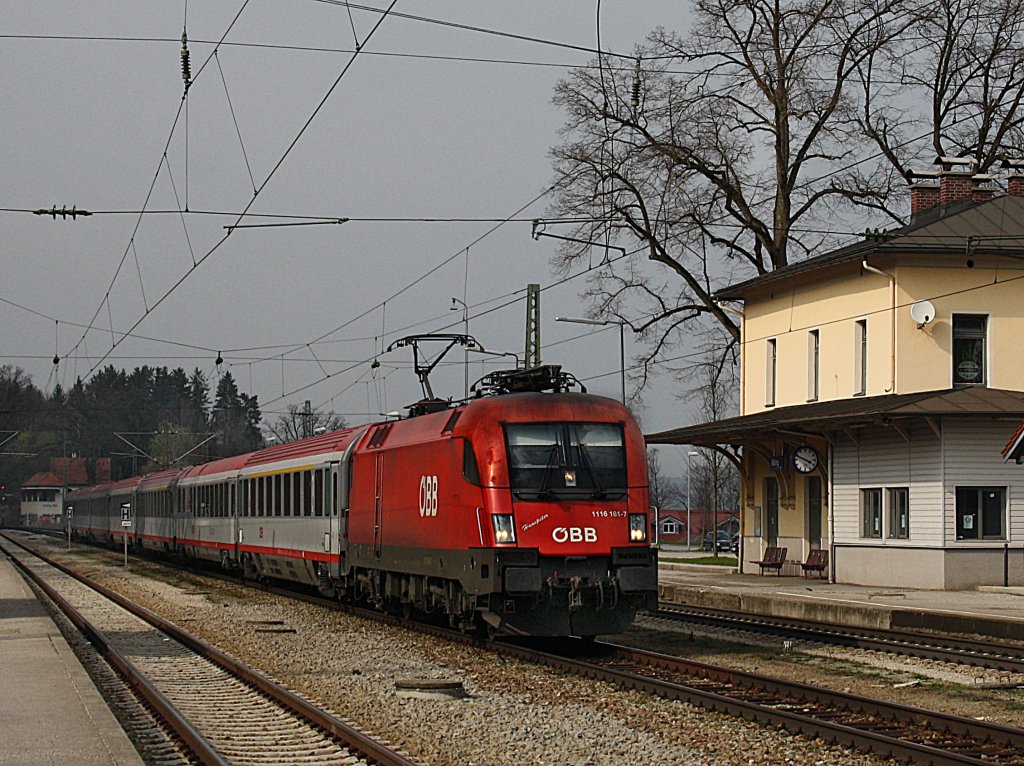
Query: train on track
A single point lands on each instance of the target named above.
(522, 511)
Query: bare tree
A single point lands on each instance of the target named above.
(715, 150)
(750, 142)
(959, 79)
(665, 492)
(301, 422)
(716, 483)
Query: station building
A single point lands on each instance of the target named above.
(879, 384)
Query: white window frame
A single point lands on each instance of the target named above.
(771, 371)
(893, 532)
(866, 533)
(985, 345)
(813, 365)
(860, 357)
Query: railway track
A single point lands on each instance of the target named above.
(961, 651)
(223, 712)
(906, 733)
(898, 731)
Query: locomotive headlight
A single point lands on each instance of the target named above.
(504, 528)
(637, 527)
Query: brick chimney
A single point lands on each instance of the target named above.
(1015, 185)
(924, 196)
(924, 191)
(955, 185)
(983, 187)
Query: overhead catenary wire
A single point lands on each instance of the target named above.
(262, 186)
(149, 193)
(108, 307)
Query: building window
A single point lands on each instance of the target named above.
(770, 372)
(969, 349)
(899, 513)
(871, 513)
(669, 528)
(980, 513)
(860, 357)
(812, 366)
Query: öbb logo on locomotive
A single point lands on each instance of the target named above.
(428, 495)
(574, 535)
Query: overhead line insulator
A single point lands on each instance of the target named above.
(63, 212)
(186, 66)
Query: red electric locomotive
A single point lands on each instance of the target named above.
(528, 510)
(524, 510)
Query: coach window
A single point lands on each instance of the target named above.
(318, 492)
(307, 493)
(286, 499)
(297, 493)
(335, 501)
(980, 513)
(276, 499)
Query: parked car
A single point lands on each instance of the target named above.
(724, 541)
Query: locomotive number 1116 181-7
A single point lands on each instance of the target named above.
(606, 514)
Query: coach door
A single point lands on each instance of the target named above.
(335, 508)
(378, 502)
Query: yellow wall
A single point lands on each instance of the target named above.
(923, 355)
(831, 306)
(833, 300)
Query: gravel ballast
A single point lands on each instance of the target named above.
(514, 712)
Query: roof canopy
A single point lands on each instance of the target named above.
(821, 417)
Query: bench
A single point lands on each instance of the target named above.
(817, 561)
(773, 558)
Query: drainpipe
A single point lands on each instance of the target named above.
(831, 515)
(892, 321)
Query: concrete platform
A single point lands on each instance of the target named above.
(51, 712)
(991, 612)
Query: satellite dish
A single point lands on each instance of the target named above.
(922, 312)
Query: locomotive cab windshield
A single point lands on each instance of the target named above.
(566, 461)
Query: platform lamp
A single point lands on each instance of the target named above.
(622, 342)
(689, 473)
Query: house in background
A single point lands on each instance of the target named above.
(878, 383)
(42, 494)
(42, 500)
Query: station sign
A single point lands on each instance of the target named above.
(126, 514)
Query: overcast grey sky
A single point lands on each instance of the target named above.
(406, 134)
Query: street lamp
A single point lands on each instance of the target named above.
(622, 342)
(689, 472)
(465, 349)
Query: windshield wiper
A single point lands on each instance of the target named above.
(599, 491)
(544, 490)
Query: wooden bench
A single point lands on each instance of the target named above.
(817, 561)
(773, 558)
